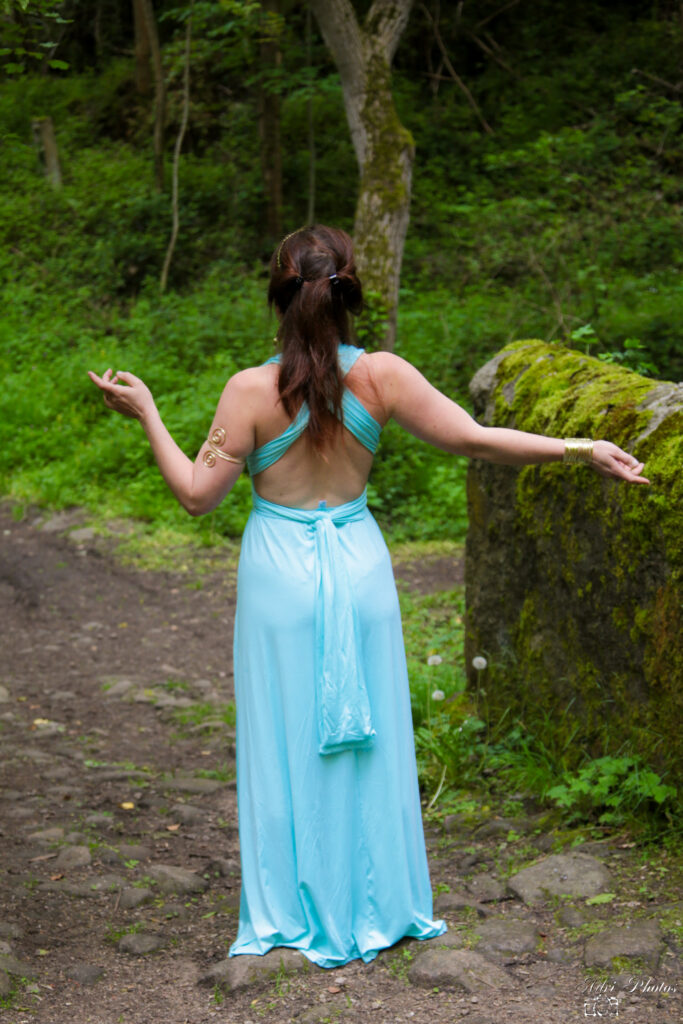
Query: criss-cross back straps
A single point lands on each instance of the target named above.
(357, 419)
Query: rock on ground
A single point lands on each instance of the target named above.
(641, 939)
(564, 874)
(462, 967)
(172, 879)
(242, 971)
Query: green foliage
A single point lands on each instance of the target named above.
(612, 788)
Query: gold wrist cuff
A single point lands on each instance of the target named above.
(578, 449)
(215, 438)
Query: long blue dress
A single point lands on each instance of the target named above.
(331, 841)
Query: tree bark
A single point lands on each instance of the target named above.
(384, 147)
(159, 93)
(46, 144)
(269, 126)
(176, 155)
(143, 66)
(310, 206)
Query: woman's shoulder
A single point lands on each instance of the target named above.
(383, 366)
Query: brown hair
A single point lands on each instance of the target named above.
(314, 286)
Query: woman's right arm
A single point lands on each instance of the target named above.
(201, 485)
(428, 414)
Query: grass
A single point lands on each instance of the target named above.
(202, 715)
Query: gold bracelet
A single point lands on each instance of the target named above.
(215, 438)
(578, 449)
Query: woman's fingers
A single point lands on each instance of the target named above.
(609, 460)
(123, 392)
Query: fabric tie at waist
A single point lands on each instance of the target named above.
(342, 704)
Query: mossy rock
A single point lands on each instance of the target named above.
(573, 580)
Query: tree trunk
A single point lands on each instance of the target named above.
(46, 144)
(384, 148)
(159, 93)
(143, 66)
(176, 155)
(269, 125)
(310, 209)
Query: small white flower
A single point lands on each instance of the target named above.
(479, 663)
(434, 659)
(438, 695)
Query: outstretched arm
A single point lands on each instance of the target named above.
(428, 414)
(201, 485)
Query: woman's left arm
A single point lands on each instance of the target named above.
(201, 485)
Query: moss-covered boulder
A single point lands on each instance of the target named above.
(573, 580)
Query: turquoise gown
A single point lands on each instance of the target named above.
(331, 842)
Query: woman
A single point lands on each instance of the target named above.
(332, 848)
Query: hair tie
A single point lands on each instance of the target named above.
(335, 279)
(298, 281)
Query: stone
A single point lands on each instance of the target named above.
(99, 819)
(186, 814)
(75, 839)
(452, 939)
(333, 1009)
(47, 835)
(639, 939)
(148, 695)
(61, 521)
(4, 694)
(486, 889)
(17, 968)
(562, 955)
(5, 948)
(141, 943)
(572, 917)
(178, 911)
(117, 686)
(106, 855)
(135, 851)
(85, 974)
(453, 901)
(93, 889)
(190, 784)
(563, 874)
(10, 930)
(5, 984)
(227, 867)
(461, 967)
(500, 827)
(133, 897)
(172, 879)
(500, 936)
(46, 728)
(578, 548)
(82, 535)
(72, 857)
(244, 971)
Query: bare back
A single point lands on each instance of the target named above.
(303, 477)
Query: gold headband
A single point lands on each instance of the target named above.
(285, 239)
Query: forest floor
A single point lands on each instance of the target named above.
(119, 880)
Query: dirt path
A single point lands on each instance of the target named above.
(119, 881)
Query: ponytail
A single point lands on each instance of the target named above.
(313, 285)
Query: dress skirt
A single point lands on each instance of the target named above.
(331, 841)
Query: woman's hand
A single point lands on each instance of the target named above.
(131, 397)
(612, 461)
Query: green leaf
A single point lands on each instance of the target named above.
(602, 897)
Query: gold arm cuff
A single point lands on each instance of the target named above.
(578, 449)
(216, 437)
